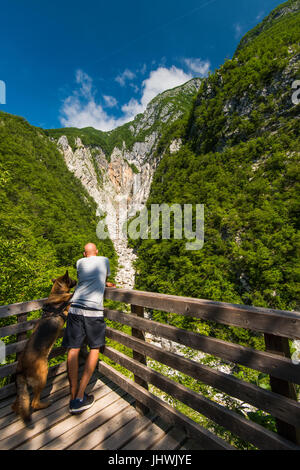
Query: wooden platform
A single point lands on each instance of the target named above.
(111, 423)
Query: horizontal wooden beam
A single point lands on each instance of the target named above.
(206, 439)
(238, 425)
(18, 328)
(266, 362)
(10, 369)
(13, 348)
(281, 407)
(10, 389)
(22, 307)
(276, 322)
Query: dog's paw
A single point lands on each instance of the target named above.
(27, 420)
(41, 405)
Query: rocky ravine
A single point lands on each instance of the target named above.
(120, 184)
(120, 192)
(116, 187)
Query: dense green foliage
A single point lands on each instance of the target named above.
(46, 214)
(240, 158)
(243, 168)
(91, 137)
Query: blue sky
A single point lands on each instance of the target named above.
(75, 63)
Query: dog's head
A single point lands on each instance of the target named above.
(64, 283)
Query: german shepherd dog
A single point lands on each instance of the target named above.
(32, 367)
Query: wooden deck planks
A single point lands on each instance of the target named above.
(190, 444)
(126, 433)
(42, 420)
(57, 387)
(123, 413)
(149, 437)
(112, 423)
(171, 441)
(75, 423)
(83, 430)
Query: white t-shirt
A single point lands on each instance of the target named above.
(91, 272)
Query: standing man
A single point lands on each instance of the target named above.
(86, 320)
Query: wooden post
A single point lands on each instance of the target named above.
(21, 336)
(139, 311)
(279, 345)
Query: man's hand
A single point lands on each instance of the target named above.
(110, 284)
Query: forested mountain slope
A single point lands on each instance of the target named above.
(240, 159)
(46, 214)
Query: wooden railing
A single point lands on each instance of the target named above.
(276, 326)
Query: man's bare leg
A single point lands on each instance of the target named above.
(72, 363)
(89, 368)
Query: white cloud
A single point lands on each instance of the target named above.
(76, 114)
(81, 110)
(260, 15)
(126, 75)
(159, 80)
(237, 30)
(135, 87)
(110, 101)
(162, 79)
(85, 83)
(200, 67)
(143, 69)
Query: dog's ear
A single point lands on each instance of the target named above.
(53, 280)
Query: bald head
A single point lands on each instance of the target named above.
(90, 249)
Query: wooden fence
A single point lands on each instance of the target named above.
(276, 326)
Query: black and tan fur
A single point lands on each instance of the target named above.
(32, 367)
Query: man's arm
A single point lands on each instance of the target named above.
(109, 284)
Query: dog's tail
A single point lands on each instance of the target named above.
(22, 404)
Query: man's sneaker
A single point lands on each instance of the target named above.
(77, 405)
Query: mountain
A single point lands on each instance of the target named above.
(240, 158)
(119, 165)
(46, 214)
(229, 141)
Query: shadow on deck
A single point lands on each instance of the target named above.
(112, 423)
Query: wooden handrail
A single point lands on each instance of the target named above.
(264, 320)
(242, 427)
(266, 362)
(276, 322)
(277, 326)
(21, 307)
(273, 403)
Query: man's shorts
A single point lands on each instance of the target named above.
(80, 327)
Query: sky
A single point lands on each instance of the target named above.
(69, 63)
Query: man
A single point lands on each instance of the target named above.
(85, 320)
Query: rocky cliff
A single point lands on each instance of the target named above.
(118, 177)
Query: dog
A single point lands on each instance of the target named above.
(32, 367)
